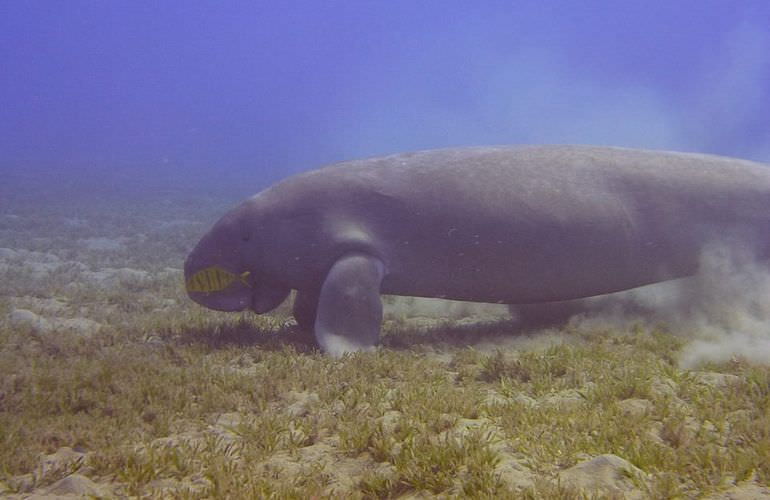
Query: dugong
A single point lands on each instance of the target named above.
(508, 224)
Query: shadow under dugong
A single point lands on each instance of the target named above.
(516, 225)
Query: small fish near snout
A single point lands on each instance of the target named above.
(214, 279)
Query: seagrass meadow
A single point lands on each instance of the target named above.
(114, 384)
(127, 129)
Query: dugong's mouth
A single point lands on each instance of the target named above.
(259, 305)
(238, 300)
(221, 301)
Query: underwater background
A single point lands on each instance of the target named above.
(183, 95)
(128, 128)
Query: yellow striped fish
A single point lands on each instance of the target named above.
(214, 279)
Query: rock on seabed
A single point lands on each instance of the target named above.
(76, 485)
(604, 475)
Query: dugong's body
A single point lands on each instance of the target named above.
(514, 225)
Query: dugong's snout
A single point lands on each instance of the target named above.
(221, 272)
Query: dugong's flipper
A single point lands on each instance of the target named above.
(349, 307)
(305, 307)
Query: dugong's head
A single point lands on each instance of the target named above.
(222, 272)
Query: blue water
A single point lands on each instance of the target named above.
(145, 99)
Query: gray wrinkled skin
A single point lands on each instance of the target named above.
(517, 225)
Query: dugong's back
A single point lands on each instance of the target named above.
(529, 224)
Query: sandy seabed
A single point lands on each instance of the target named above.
(112, 384)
